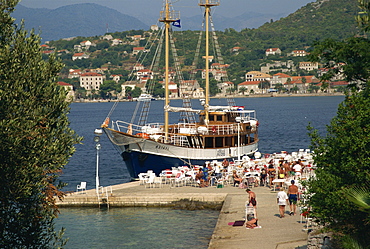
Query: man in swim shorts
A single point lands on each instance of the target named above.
(252, 200)
(293, 197)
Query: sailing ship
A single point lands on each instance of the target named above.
(219, 132)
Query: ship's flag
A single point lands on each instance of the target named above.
(177, 23)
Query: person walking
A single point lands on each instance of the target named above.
(252, 201)
(293, 197)
(282, 200)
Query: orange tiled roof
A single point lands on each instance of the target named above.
(61, 83)
(91, 74)
(249, 83)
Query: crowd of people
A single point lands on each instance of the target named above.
(257, 173)
(245, 176)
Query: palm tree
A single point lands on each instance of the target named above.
(243, 90)
(360, 196)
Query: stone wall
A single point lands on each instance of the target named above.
(318, 240)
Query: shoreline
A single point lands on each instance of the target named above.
(266, 95)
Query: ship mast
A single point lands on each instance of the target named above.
(207, 4)
(167, 16)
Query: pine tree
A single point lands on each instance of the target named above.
(36, 141)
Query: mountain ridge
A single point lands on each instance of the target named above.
(70, 20)
(75, 20)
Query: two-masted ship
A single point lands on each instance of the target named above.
(217, 133)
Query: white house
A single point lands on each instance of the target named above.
(225, 86)
(79, 56)
(116, 77)
(257, 76)
(273, 51)
(144, 73)
(91, 81)
(299, 53)
(250, 85)
(279, 78)
(69, 90)
(116, 42)
(74, 73)
(308, 66)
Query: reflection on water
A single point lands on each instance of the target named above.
(137, 227)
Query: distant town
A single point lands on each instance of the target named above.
(273, 77)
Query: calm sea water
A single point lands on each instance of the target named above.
(156, 228)
(283, 123)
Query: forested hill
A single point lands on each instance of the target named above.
(315, 21)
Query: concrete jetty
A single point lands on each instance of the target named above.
(275, 232)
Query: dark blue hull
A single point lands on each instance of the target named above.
(137, 162)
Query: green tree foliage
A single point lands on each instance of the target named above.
(102, 45)
(280, 87)
(350, 57)
(158, 90)
(264, 85)
(342, 158)
(243, 90)
(213, 89)
(36, 141)
(109, 88)
(363, 17)
(136, 92)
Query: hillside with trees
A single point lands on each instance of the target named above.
(298, 31)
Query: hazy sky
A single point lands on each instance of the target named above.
(228, 8)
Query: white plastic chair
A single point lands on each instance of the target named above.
(157, 180)
(143, 177)
(179, 179)
(81, 186)
(150, 180)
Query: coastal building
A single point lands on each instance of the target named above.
(69, 89)
(74, 73)
(86, 44)
(281, 66)
(225, 87)
(273, 51)
(79, 56)
(128, 86)
(107, 37)
(308, 66)
(172, 87)
(296, 53)
(116, 42)
(337, 84)
(191, 88)
(339, 76)
(137, 50)
(301, 83)
(257, 76)
(138, 67)
(91, 81)
(144, 73)
(279, 78)
(217, 70)
(116, 77)
(250, 86)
